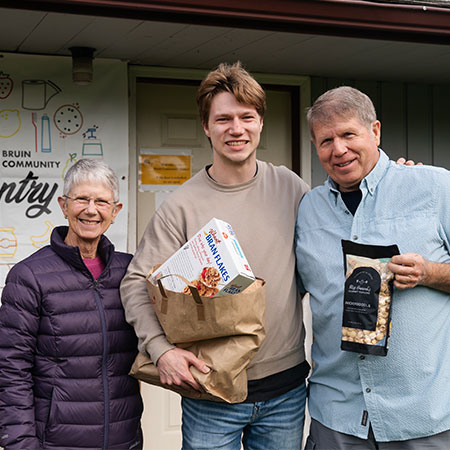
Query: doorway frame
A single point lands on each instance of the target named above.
(299, 86)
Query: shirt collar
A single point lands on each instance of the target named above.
(371, 181)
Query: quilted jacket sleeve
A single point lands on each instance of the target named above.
(19, 323)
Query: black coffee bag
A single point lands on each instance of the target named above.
(366, 318)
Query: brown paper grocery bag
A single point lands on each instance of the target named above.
(225, 332)
(144, 370)
(188, 318)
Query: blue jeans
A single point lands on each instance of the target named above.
(271, 425)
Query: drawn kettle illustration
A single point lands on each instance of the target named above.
(37, 93)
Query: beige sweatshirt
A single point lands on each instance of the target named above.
(262, 213)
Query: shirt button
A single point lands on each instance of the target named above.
(362, 357)
(355, 238)
(368, 390)
(347, 212)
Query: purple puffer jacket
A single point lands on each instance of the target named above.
(65, 353)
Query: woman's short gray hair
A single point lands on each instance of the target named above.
(344, 101)
(92, 171)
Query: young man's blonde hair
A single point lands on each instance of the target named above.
(235, 80)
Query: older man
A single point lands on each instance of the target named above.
(402, 400)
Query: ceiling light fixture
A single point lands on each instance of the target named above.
(82, 70)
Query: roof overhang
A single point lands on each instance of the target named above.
(427, 22)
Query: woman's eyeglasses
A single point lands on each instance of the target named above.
(98, 202)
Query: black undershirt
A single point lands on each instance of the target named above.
(352, 200)
(277, 384)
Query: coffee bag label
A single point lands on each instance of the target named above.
(362, 289)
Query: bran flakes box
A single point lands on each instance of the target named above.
(212, 260)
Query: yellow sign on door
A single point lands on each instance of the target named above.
(163, 171)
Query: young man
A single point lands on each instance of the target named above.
(260, 201)
(399, 401)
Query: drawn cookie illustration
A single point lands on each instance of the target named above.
(68, 119)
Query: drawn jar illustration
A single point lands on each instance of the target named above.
(37, 93)
(8, 242)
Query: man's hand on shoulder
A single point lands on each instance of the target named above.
(411, 270)
(410, 162)
(173, 368)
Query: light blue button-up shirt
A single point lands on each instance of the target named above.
(407, 392)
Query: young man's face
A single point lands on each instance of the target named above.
(347, 150)
(234, 129)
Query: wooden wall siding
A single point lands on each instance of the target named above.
(441, 126)
(415, 119)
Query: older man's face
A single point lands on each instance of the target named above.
(347, 150)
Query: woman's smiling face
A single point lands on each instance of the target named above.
(90, 210)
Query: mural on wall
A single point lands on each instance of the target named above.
(6, 85)
(47, 123)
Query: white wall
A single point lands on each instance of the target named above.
(46, 123)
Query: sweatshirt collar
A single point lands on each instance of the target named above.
(233, 187)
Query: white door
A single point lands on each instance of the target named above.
(167, 117)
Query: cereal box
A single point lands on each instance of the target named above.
(212, 260)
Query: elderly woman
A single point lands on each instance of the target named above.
(65, 347)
